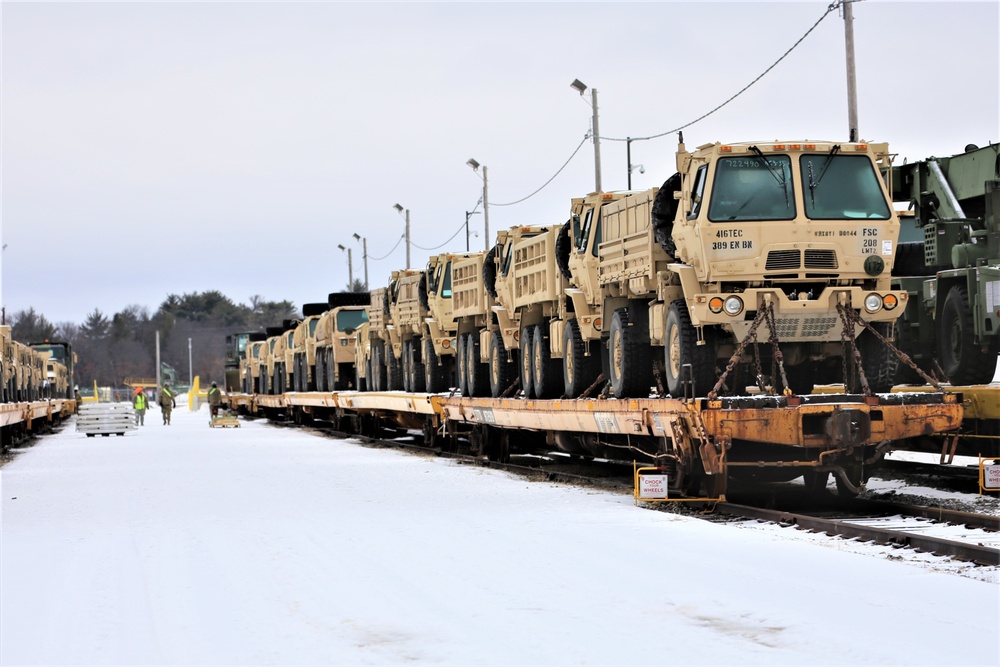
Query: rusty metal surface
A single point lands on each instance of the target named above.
(16, 413)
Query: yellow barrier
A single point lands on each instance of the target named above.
(196, 395)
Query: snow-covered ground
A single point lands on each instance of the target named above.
(260, 545)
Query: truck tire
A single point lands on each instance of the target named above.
(462, 377)
(962, 360)
(417, 379)
(681, 348)
(663, 214)
(631, 359)
(478, 381)
(580, 370)
(544, 369)
(490, 272)
(503, 371)
(393, 370)
(404, 361)
(433, 369)
(526, 366)
(378, 372)
(564, 246)
(877, 360)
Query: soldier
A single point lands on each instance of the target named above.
(214, 399)
(140, 403)
(167, 403)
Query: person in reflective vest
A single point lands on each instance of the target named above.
(140, 403)
(167, 403)
(214, 399)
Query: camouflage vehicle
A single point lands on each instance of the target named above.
(950, 265)
(335, 340)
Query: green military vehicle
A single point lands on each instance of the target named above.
(949, 263)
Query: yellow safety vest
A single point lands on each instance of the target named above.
(140, 402)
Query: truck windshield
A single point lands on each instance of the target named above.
(842, 187)
(241, 342)
(312, 327)
(751, 188)
(351, 319)
(446, 284)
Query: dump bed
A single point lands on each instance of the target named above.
(468, 288)
(409, 313)
(378, 313)
(629, 252)
(537, 278)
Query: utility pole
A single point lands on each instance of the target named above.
(852, 92)
(158, 361)
(486, 210)
(190, 366)
(364, 248)
(597, 144)
(468, 214)
(400, 208)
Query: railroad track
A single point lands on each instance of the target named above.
(965, 536)
(969, 537)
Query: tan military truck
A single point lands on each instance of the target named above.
(363, 357)
(794, 236)
(6, 365)
(250, 366)
(386, 338)
(272, 352)
(335, 340)
(303, 353)
(472, 310)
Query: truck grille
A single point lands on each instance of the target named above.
(821, 259)
(783, 259)
(778, 260)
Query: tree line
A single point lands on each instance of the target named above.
(113, 347)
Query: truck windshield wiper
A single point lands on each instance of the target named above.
(813, 184)
(778, 175)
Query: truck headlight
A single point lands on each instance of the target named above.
(715, 304)
(733, 305)
(873, 303)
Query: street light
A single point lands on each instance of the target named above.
(582, 87)
(486, 206)
(468, 214)
(400, 209)
(350, 269)
(364, 246)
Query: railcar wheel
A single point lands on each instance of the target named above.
(434, 371)
(815, 481)
(502, 370)
(579, 369)
(854, 475)
(631, 358)
(961, 359)
(478, 382)
(681, 349)
(544, 368)
(527, 367)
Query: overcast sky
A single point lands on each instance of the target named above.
(158, 148)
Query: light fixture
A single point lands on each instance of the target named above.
(579, 85)
(398, 208)
(472, 163)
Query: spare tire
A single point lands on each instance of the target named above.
(663, 214)
(490, 272)
(563, 247)
(422, 291)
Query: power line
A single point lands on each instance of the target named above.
(585, 137)
(379, 259)
(829, 9)
(453, 235)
